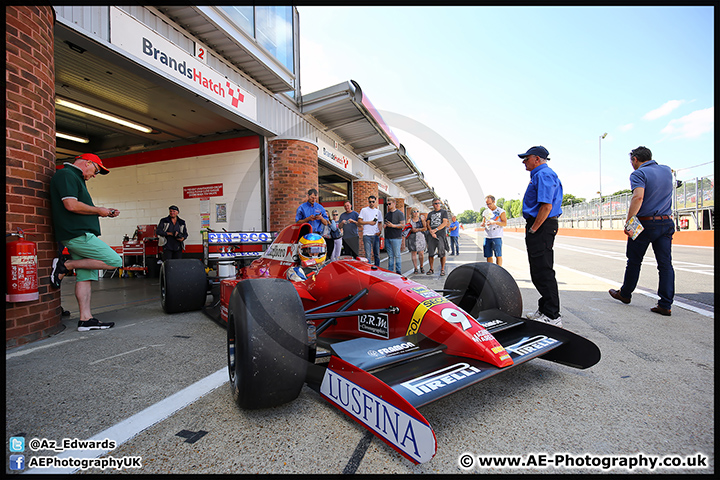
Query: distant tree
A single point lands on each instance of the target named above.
(620, 192)
(508, 206)
(569, 199)
(517, 209)
(468, 216)
(500, 202)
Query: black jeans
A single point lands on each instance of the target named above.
(171, 254)
(541, 258)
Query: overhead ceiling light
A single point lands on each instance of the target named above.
(74, 138)
(105, 116)
(338, 193)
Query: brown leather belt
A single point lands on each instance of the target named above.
(659, 217)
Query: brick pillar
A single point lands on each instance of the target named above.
(361, 191)
(293, 170)
(30, 160)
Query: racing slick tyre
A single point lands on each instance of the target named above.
(183, 285)
(483, 286)
(267, 343)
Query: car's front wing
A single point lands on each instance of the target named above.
(381, 383)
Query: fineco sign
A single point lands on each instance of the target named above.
(333, 156)
(146, 45)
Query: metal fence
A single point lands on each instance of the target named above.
(693, 209)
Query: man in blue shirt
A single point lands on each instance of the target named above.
(312, 212)
(652, 187)
(454, 230)
(541, 209)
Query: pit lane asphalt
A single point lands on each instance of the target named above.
(652, 392)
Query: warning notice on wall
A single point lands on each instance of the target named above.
(203, 191)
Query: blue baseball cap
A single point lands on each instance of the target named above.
(539, 150)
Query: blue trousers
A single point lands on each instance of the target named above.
(392, 245)
(657, 233)
(372, 244)
(454, 245)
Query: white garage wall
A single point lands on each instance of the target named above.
(144, 192)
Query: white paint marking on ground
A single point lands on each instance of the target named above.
(130, 427)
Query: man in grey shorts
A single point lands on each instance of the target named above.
(437, 222)
(77, 226)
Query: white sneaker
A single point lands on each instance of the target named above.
(545, 319)
(534, 316)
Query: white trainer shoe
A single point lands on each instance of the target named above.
(541, 317)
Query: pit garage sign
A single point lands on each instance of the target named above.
(164, 56)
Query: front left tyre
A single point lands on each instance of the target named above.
(267, 343)
(483, 286)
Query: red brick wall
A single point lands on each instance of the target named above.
(293, 170)
(30, 160)
(361, 191)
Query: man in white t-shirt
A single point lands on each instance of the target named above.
(494, 221)
(371, 219)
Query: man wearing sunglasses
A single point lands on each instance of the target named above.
(77, 226)
(436, 224)
(371, 219)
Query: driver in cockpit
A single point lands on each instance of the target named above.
(311, 254)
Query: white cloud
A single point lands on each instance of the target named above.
(692, 125)
(627, 127)
(665, 109)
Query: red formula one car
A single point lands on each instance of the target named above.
(373, 343)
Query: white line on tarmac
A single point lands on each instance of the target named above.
(33, 349)
(41, 347)
(127, 429)
(125, 353)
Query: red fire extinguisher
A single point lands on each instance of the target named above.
(22, 271)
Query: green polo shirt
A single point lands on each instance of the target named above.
(68, 182)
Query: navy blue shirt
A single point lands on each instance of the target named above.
(544, 187)
(658, 184)
(305, 210)
(350, 229)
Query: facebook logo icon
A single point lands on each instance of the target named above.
(17, 462)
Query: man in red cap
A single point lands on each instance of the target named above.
(77, 226)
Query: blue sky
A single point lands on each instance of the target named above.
(494, 81)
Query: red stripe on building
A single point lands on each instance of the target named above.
(186, 151)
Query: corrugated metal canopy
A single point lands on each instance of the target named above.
(345, 111)
(210, 26)
(397, 165)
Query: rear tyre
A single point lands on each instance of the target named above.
(183, 285)
(484, 286)
(267, 343)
